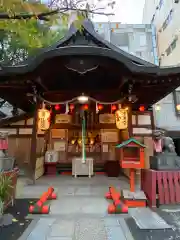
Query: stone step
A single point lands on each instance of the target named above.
(146, 219)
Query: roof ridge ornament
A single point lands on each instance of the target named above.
(84, 71)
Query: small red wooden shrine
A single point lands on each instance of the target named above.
(132, 157)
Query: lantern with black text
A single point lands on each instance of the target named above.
(121, 116)
(43, 119)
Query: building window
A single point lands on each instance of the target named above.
(139, 54)
(168, 20)
(176, 96)
(152, 20)
(161, 3)
(171, 47)
(142, 40)
(173, 44)
(168, 51)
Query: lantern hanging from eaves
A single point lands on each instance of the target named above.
(121, 116)
(43, 119)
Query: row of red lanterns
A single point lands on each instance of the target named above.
(84, 107)
(58, 107)
(99, 107)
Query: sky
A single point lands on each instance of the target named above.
(126, 11)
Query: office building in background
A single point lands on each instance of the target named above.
(164, 15)
(134, 39)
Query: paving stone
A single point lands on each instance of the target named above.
(59, 238)
(94, 206)
(62, 228)
(66, 191)
(66, 205)
(115, 233)
(41, 229)
(90, 229)
(80, 202)
(111, 222)
(83, 191)
(99, 191)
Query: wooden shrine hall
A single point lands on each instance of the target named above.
(81, 97)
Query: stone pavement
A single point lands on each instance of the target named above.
(79, 213)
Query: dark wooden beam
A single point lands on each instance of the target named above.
(34, 143)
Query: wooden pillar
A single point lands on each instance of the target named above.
(152, 120)
(34, 143)
(132, 180)
(130, 130)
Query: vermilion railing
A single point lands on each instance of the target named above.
(163, 186)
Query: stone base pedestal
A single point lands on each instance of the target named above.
(134, 199)
(82, 169)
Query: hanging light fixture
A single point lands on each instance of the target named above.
(43, 118)
(157, 107)
(121, 117)
(82, 99)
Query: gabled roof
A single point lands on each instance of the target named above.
(116, 70)
(89, 27)
(99, 47)
(131, 140)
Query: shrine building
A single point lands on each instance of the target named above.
(82, 97)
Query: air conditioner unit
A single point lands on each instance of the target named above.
(176, 1)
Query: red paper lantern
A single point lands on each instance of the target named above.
(57, 107)
(142, 108)
(113, 107)
(71, 107)
(100, 107)
(85, 107)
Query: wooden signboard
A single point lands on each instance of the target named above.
(144, 119)
(107, 118)
(63, 118)
(58, 133)
(109, 136)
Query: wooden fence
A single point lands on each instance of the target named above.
(161, 187)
